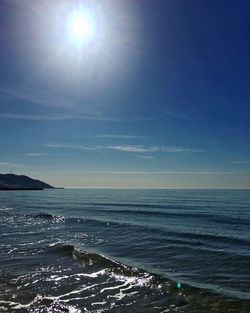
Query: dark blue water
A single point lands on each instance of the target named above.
(125, 251)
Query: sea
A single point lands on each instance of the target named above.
(118, 250)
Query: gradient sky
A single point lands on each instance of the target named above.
(160, 98)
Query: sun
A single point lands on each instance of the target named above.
(81, 27)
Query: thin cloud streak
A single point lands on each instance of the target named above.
(35, 117)
(116, 136)
(241, 162)
(169, 149)
(33, 97)
(9, 164)
(177, 115)
(145, 157)
(36, 154)
(128, 148)
(59, 117)
(70, 146)
(132, 149)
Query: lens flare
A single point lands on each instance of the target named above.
(81, 27)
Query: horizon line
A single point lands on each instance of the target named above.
(160, 188)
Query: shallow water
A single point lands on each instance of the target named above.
(125, 251)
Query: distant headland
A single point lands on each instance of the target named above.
(21, 182)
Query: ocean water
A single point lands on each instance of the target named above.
(125, 251)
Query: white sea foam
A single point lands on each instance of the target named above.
(6, 209)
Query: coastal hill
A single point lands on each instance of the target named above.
(21, 182)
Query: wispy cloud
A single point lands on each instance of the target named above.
(57, 117)
(178, 115)
(36, 154)
(32, 96)
(70, 146)
(116, 136)
(36, 117)
(145, 157)
(141, 149)
(127, 148)
(21, 95)
(241, 162)
(173, 149)
(132, 149)
(69, 109)
(110, 136)
(9, 164)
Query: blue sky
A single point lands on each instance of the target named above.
(159, 98)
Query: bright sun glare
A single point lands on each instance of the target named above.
(81, 27)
